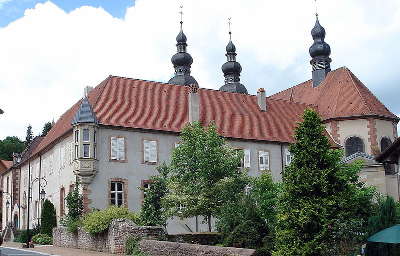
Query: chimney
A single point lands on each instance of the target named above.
(87, 90)
(261, 99)
(194, 103)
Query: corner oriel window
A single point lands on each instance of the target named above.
(117, 193)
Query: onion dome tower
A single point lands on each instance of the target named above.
(319, 52)
(232, 69)
(182, 61)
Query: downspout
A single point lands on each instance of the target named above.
(40, 203)
(282, 160)
(19, 200)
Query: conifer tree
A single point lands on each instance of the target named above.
(48, 218)
(29, 135)
(322, 204)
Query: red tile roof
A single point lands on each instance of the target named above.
(340, 95)
(133, 103)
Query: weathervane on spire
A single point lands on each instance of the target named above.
(316, 8)
(181, 13)
(230, 30)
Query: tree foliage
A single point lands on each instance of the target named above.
(152, 212)
(322, 203)
(48, 217)
(10, 145)
(385, 215)
(247, 219)
(29, 135)
(46, 128)
(199, 164)
(75, 209)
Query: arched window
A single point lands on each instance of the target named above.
(385, 143)
(354, 145)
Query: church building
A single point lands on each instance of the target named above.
(113, 139)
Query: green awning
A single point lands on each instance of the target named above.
(389, 236)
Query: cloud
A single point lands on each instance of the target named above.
(48, 56)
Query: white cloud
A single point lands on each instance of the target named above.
(48, 56)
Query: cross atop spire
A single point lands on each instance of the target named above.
(316, 9)
(181, 13)
(230, 30)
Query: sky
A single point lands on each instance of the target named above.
(51, 50)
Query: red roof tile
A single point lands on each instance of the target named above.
(340, 95)
(150, 105)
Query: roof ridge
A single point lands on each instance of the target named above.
(358, 91)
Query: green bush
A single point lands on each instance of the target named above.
(42, 239)
(98, 221)
(21, 236)
(49, 220)
(132, 247)
(71, 224)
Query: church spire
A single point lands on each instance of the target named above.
(182, 60)
(232, 69)
(319, 52)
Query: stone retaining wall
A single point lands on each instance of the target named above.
(162, 248)
(112, 241)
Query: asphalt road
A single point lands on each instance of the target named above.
(18, 252)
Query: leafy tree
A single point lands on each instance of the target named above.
(10, 145)
(247, 219)
(322, 202)
(29, 135)
(48, 217)
(199, 164)
(152, 212)
(46, 128)
(385, 215)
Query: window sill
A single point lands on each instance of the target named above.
(118, 161)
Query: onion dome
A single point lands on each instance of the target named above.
(319, 47)
(319, 52)
(232, 70)
(182, 62)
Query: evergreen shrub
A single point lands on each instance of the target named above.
(49, 219)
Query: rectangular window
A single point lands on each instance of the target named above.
(76, 151)
(263, 160)
(118, 148)
(177, 144)
(245, 161)
(86, 150)
(76, 136)
(94, 151)
(150, 151)
(62, 201)
(85, 135)
(146, 184)
(288, 157)
(117, 193)
(94, 136)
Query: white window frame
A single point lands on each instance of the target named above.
(117, 148)
(263, 160)
(288, 157)
(150, 151)
(88, 135)
(117, 192)
(88, 150)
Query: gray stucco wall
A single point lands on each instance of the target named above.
(135, 171)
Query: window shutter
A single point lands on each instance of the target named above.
(247, 158)
(146, 151)
(153, 151)
(114, 148)
(121, 149)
